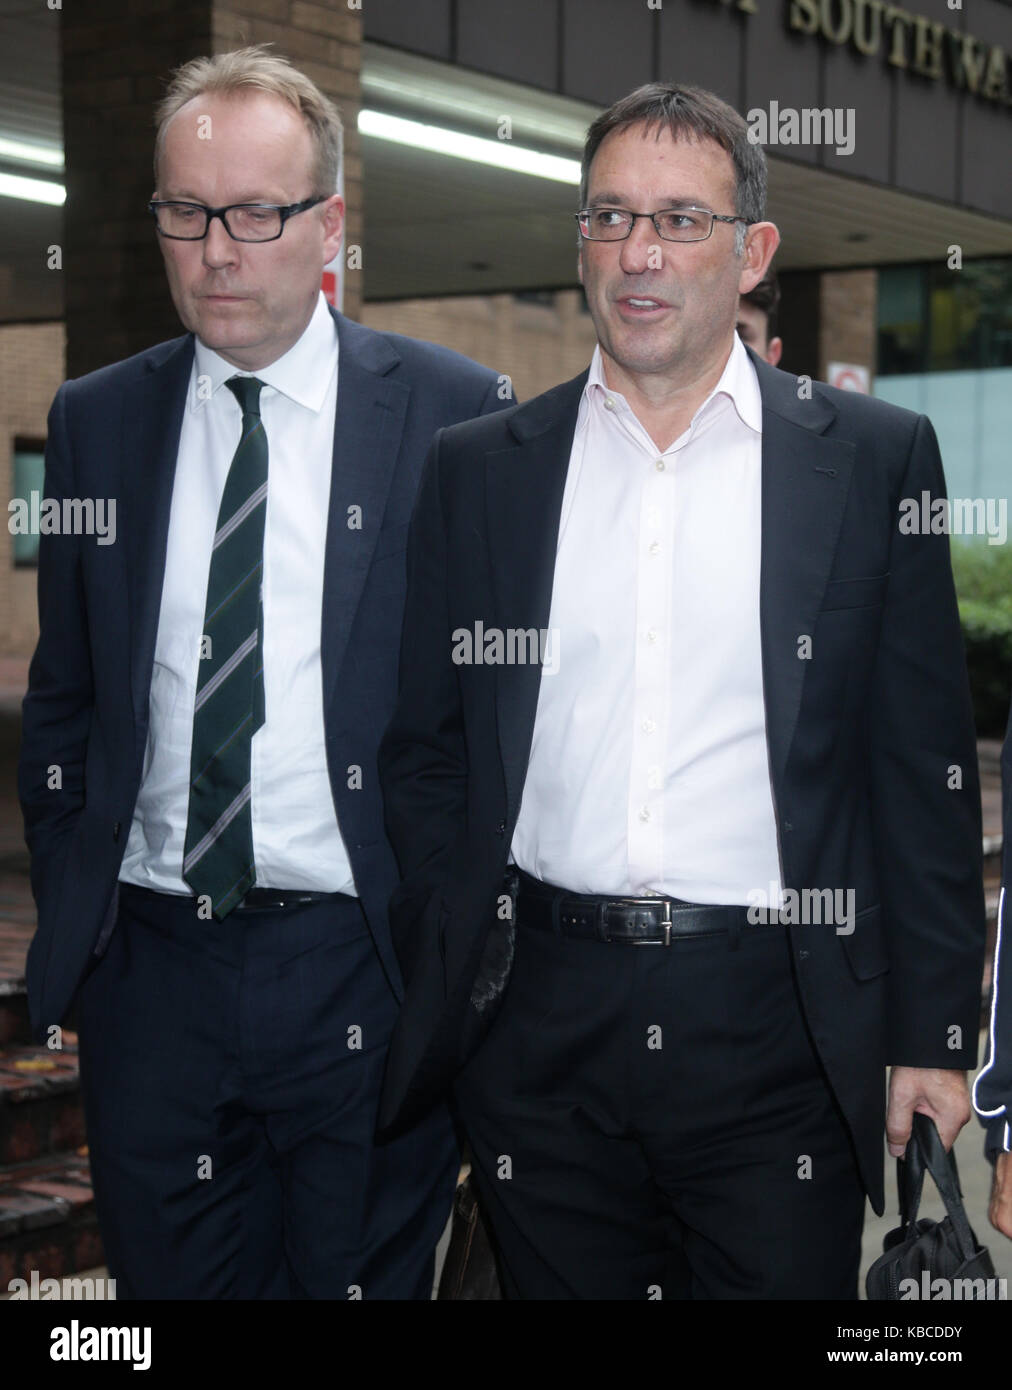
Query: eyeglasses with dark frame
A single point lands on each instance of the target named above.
(670, 224)
(179, 221)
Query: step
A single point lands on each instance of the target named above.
(40, 1105)
(47, 1219)
(14, 1022)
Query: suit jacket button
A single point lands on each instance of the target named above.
(115, 832)
(501, 828)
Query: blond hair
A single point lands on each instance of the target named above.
(257, 69)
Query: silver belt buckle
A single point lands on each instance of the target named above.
(665, 921)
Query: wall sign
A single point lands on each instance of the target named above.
(909, 41)
(903, 40)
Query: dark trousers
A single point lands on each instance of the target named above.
(231, 1074)
(652, 1122)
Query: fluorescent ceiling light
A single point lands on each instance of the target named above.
(32, 190)
(21, 152)
(420, 88)
(501, 154)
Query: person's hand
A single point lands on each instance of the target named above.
(999, 1213)
(934, 1091)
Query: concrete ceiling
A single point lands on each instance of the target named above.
(474, 229)
(439, 225)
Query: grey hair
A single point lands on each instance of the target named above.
(257, 69)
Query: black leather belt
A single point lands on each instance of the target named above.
(278, 899)
(631, 921)
(256, 900)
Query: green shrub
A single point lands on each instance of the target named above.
(983, 575)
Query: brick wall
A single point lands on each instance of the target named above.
(537, 345)
(31, 370)
(114, 64)
(847, 318)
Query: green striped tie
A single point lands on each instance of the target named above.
(229, 706)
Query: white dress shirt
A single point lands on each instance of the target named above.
(649, 770)
(296, 840)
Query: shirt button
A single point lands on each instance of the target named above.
(609, 404)
(648, 726)
(654, 548)
(644, 813)
(651, 635)
(659, 465)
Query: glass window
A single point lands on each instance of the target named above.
(902, 321)
(933, 319)
(29, 471)
(971, 316)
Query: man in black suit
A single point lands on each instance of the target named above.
(668, 650)
(198, 770)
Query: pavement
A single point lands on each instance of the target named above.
(17, 919)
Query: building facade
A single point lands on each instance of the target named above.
(887, 130)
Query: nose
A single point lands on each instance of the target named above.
(219, 248)
(642, 249)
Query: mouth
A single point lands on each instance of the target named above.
(223, 298)
(642, 306)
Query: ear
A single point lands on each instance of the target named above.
(761, 242)
(333, 227)
(774, 351)
(579, 262)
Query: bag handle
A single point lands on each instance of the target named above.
(910, 1182)
(926, 1151)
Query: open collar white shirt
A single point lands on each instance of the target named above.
(649, 770)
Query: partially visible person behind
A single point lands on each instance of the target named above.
(992, 1091)
(757, 319)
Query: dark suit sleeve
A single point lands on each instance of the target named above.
(422, 757)
(926, 796)
(992, 1091)
(56, 713)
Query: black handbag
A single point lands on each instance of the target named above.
(924, 1259)
(469, 1271)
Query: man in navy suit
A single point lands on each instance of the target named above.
(669, 649)
(198, 773)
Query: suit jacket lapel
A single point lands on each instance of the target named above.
(368, 425)
(153, 420)
(524, 488)
(805, 481)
